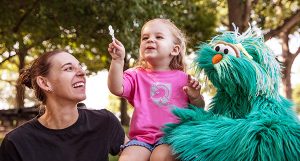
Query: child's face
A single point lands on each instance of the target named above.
(157, 43)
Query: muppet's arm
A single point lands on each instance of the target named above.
(203, 136)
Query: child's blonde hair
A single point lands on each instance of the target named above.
(178, 61)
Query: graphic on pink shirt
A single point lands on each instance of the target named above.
(160, 93)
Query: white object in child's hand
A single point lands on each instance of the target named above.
(111, 32)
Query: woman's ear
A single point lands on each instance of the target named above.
(43, 83)
(176, 50)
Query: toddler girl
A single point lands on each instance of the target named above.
(154, 87)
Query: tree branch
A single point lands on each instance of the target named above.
(26, 48)
(18, 25)
(6, 59)
(288, 24)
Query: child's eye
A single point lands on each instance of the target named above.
(159, 37)
(144, 38)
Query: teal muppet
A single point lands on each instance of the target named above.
(247, 119)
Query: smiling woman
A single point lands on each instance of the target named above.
(59, 84)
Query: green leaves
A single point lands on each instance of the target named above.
(71, 24)
(29, 28)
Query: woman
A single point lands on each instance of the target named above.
(62, 132)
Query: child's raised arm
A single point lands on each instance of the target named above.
(115, 74)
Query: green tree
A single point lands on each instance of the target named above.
(28, 28)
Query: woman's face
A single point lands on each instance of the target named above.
(67, 78)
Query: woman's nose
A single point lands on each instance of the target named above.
(80, 72)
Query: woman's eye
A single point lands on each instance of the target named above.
(69, 69)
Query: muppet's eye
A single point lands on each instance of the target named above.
(219, 47)
(229, 50)
(226, 49)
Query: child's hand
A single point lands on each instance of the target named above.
(116, 50)
(193, 91)
(193, 88)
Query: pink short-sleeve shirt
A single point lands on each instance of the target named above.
(153, 94)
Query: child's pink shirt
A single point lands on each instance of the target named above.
(153, 94)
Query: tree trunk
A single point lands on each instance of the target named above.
(287, 62)
(20, 88)
(125, 119)
(286, 78)
(239, 14)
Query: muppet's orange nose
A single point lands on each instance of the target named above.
(217, 58)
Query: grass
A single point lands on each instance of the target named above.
(1, 137)
(113, 158)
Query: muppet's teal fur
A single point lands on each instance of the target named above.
(247, 119)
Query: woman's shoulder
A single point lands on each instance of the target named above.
(23, 130)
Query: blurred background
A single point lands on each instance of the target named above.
(29, 28)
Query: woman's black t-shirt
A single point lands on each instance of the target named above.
(95, 134)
